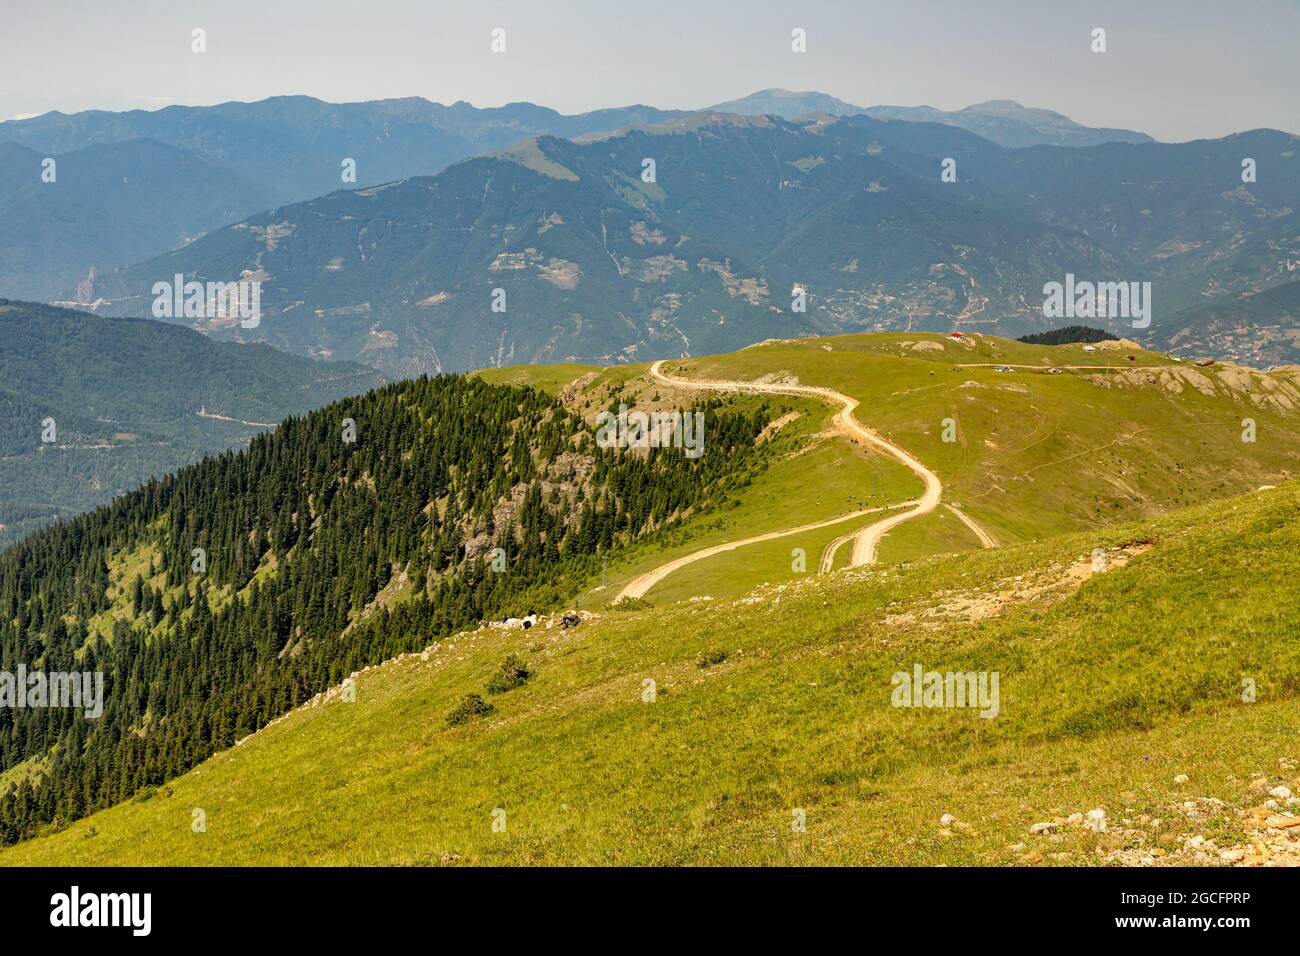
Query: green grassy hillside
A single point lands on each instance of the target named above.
(1039, 453)
(777, 707)
(1106, 439)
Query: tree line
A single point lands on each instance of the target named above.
(257, 571)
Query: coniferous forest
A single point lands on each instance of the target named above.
(220, 597)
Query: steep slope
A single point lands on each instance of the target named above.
(767, 730)
(1264, 326)
(109, 205)
(215, 599)
(381, 523)
(130, 399)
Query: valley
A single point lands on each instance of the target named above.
(94, 407)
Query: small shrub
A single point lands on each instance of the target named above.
(710, 658)
(513, 673)
(630, 604)
(472, 707)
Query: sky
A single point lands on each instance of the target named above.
(1176, 69)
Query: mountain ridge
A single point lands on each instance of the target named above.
(599, 262)
(131, 398)
(1003, 121)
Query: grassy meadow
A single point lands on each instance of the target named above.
(777, 706)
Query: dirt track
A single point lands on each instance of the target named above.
(865, 540)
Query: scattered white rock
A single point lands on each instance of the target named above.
(1282, 793)
(1047, 826)
(947, 820)
(1181, 778)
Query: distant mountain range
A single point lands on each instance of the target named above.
(132, 185)
(764, 194)
(293, 147)
(110, 204)
(1005, 122)
(597, 264)
(139, 183)
(92, 407)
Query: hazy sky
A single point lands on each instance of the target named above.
(1177, 69)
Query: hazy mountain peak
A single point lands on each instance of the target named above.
(995, 106)
(1004, 121)
(787, 104)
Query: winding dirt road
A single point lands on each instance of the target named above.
(865, 540)
(638, 586)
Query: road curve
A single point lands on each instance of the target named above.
(833, 548)
(985, 540)
(638, 586)
(866, 540)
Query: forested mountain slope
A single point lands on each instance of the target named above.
(129, 399)
(217, 598)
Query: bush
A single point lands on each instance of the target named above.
(471, 708)
(513, 673)
(630, 604)
(710, 658)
